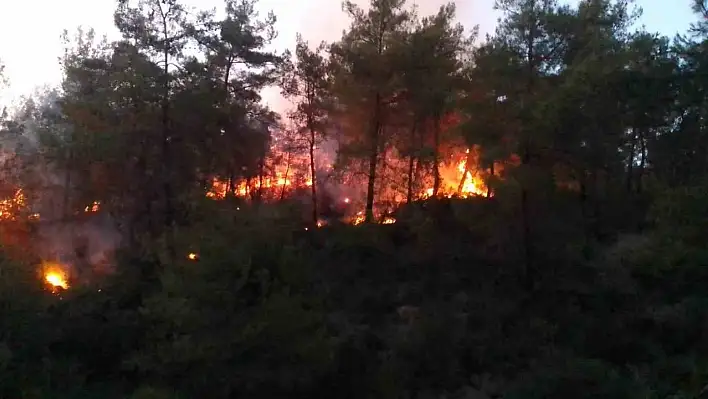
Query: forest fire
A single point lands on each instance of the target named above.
(55, 275)
(460, 176)
(56, 280)
(276, 179)
(23, 233)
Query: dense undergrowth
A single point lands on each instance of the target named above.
(438, 305)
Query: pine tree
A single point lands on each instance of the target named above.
(310, 85)
(366, 79)
(436, 50)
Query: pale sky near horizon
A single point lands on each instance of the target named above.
(30, 30)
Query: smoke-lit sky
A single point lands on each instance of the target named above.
(30, 29)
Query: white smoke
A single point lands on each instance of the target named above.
(83, 241)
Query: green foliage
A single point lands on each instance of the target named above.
(246, 292)
(427, 306)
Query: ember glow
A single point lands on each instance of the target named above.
(192, 256)
(94, 207)
(10, 207)
(359, 218)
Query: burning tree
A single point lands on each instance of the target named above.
(142, 129)
(392, 119)
(365, 80)
(282, 170)
(309, 83)
(396, 84)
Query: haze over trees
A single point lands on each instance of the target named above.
(440, 215)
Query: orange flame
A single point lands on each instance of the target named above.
(55, 275)
(56, 280)
(459, 171)
(94, 207)
(359, 219)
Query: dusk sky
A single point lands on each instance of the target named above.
(30, 29)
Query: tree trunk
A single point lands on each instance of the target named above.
(529, 275)
(167, 153)
(67, 183)
(491, 175)
(642, 162)
(373, 159)
(232, 182)
(630, 163)
(285, 181)
(261, 171)
(463, 180)
(313, 187)
(584, 205)
(526, 220)
(597, 222)
(411, 164)
(436, 155)
(142, 212)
